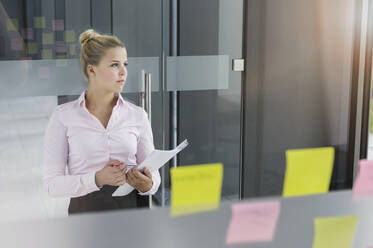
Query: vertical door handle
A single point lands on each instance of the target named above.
(148, 95)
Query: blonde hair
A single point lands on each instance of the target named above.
(94, 46)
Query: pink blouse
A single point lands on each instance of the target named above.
(75, 139)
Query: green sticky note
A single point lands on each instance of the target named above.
(195, 188)
(12, 24)
(61, 61)
(31, 48)
(48, 39)
(69, 36)
(46, 54)
(72, 49)
(39, 22)
(334, 232)
(308, 171)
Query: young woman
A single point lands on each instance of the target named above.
(99, 135)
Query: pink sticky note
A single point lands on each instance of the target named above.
(44, 72)
(16, 44)
(27, 33)
(58, 25)
(363, 186)
(61, 47)
(253, 222)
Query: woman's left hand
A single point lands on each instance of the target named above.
(141, 182)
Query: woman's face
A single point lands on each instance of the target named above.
(111, 73)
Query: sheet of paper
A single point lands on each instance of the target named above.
(253, 222)
(195, 188)
(334, 232)
(363, 186)
(308, 171)
(153, 162)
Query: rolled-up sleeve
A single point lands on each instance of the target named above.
(144, 147)
(55, 156)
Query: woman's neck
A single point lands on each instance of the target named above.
(98, 100)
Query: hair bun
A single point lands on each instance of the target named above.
(87, 35)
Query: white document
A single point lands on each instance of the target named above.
(153, 162)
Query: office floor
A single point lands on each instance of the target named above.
(22, 125)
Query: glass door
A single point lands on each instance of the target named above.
(204, 72)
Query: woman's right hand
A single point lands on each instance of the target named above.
(111, 175)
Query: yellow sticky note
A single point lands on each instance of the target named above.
(47, 38)
(334, 232)
(195, 188)
(12, 24)
(61, 61)
(46, 54)
(69, 36)
(39, 22)
(31, 48)
(308, 171)
(72, 49)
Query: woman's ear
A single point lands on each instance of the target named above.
(91, 71)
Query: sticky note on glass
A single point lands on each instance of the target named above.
(48, 38)
(61, 47)
(58, 25)
(334, 232)
(12, 24)
(363, 186)
(27, 33)
(39, 22)
(16, 44)
(31, 48)
(72, 49)
(195, 188)
(253, 222)
(308, 171)
(46, 54)
(69, 36)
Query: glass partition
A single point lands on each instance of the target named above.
(40, 68)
